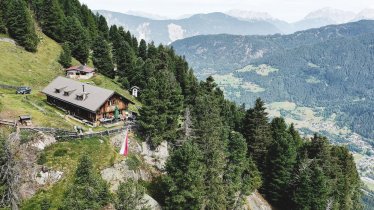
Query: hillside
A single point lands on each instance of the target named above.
(36, 70)
(188, 148)
(319, 79)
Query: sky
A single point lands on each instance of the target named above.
(289, 10)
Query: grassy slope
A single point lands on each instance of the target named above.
(18, 67)
(100, 151)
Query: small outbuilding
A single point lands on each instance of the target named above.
(25, 120)
(134, 91)
(80, 72)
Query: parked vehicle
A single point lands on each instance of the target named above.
(23, 90)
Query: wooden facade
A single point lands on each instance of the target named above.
(107, 110)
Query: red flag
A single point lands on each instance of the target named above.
(125, 145)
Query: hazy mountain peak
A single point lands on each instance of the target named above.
(366, 14)
(147, 15)
(249, 15)
(328, 13)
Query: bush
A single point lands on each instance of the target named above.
(60, 152)
(26, 136)
(133, 162)
(97, 81)
(42, 159)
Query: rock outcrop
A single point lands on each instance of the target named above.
(256, 202)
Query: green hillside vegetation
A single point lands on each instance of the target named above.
(65, 157)
(220, 152)
(37, 70)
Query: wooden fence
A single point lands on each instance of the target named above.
(8, 122)
(8, 86)
(60, 134)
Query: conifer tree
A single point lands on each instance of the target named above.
(21, 26)
(185, 178)
(102, 57)
(125, 58)
(88, 191)
(77, 37)
(52, 19)
(65, 56)
(88, 20)
(257, 132)
(152, 51)
(281, 162)
(2, 23)
(129, 195)
(163, 103)
(142, 50)
(103, 27)
(211, 137)
(241, 177)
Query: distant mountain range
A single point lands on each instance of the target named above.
(237, 22)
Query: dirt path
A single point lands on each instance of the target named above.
(7, 40)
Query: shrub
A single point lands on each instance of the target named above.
(60, 152)
(42, 159)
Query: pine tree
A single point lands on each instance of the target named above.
(102, 57)
(2, 22)
(295, 136)
(163, 103)
(240, 176)
(52, 19)
(211, 137)
(21, 26)
(88, 19)
(125, 58)
(130, 195)
(257, 132)
(142, 50)
(281, 162)
(65, 56)
(103, 26)
(88, 191)
(185, 178)
(77, 37)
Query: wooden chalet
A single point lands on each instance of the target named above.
(86, 102)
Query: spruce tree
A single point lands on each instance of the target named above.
(130, 195)
(21, 25)
(185, 178)
(52, 19)
(281, 162)
(77, 37)
(88, 190)
(2, 22)
(102, 57)
(163, 103)
(240, 177)
(142, 50)
(125, 58)
(257, 132)
(103, 27)
(65, 56)
(211, 137)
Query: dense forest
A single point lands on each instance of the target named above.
(220, 152)
(327, 67)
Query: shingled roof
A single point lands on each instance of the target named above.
(82, 68)
(68, 90)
